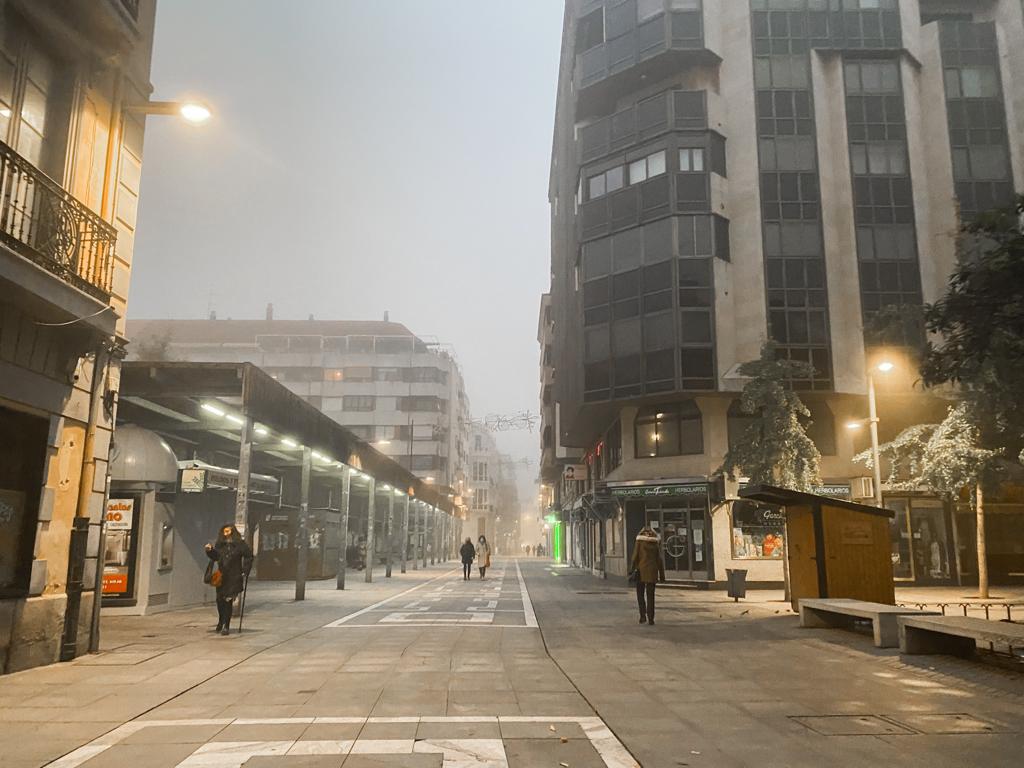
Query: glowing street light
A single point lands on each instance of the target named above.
(194, 112)
(884, 366)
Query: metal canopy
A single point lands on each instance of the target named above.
(168, 398)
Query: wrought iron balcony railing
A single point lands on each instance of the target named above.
(43, 222)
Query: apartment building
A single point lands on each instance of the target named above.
(390, 388)
(74, 76)
(733, 172)
(493, 497)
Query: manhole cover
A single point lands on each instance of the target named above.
(947, 723)
(851, 725)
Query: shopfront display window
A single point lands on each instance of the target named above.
(920, 540)
(758, 531)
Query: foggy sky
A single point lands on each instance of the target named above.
(365, 155)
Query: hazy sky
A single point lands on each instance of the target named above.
(366, 155)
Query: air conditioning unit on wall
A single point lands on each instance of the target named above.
(862, 488)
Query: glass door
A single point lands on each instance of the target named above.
(676, 543)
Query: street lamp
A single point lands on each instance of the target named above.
(194, 112)
(883, 367)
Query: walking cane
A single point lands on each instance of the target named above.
(241, 608)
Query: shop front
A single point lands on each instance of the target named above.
(679, 513)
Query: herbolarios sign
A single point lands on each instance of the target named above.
(647, 491)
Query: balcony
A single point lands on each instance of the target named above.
(663, 112)
(42, 222)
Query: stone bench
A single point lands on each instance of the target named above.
(842, 612)
(955, 635)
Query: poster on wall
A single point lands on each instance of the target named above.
(117, 553)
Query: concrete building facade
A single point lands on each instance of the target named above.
(387, 386)
(730, 173)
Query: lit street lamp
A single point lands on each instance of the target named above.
(882, 367)
(194, 112)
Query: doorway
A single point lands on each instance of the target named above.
(684, 539)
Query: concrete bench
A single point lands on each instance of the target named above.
(842, 612)
(955, 635)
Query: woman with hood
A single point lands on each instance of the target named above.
(234, 561)
(483, 553)
(467, 553)
(649, 568)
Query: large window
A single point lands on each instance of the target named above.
(757, 531)
(29, 98)
(480, 473)
(673, 429)
(358, 403)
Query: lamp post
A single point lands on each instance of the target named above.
(882, 367)
(194, 112)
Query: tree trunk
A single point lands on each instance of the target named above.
(979, 508)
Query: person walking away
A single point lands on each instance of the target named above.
(483, 553)
(649, 569)
(467, 552)
(234, 561)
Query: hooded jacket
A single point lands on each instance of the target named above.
(233, 558)
(647, 558)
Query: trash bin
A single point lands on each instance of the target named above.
(737, 578)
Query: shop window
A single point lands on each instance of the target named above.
(669, 430)
(758, 531)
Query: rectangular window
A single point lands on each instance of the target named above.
(691, 160)
(358, 403)
(757, 531)
(356, 373)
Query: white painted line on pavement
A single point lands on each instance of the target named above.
(456, 753)
(369, 608)
(531, 617)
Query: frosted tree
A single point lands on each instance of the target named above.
(774, 448)
(947, 458)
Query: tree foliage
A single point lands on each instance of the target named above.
(774, 447)
(980, 326)
(945, 457)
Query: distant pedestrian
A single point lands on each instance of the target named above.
(234, 561)
(647, 568)
(483, 554)
(467, 552)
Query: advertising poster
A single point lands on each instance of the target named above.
(117, 554)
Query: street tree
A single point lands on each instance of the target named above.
(774, 447)
(946, 457)
(978, 327)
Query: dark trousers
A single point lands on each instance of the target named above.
(467, 568)
(645, 589)
(224, 611)
(483, 571)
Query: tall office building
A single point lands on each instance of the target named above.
(729, 172)
(376, 378)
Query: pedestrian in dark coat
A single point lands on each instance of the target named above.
(649, 568)
(234, 561)
(467, 552)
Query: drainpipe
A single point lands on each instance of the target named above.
(88, 475)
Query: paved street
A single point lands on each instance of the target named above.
(538, 665)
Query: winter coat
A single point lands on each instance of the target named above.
(468, 552)
(483, 553)
(233, 558)
(647, 558)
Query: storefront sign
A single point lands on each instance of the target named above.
(651, 491)
(833, 490)
(120, 513)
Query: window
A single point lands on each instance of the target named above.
(590, 30)
(360, 343)
(422, 462)
(428, 404)
(29, 83)
(305, 343)
(480, 498)
(393, 345)
(388, 374)
(648, 9)
(334, 374)
(613, 447)
(358, 403)
(972, 83)
(669, 430)
(478, 442)
(691, 160)
(480, 473)
(362, 431)
(757, 531)
(357, 373)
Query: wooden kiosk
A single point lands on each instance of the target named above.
(835, 548)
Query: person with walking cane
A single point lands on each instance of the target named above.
(230, 563)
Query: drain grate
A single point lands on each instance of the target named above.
(958, 722)
(852, 725)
